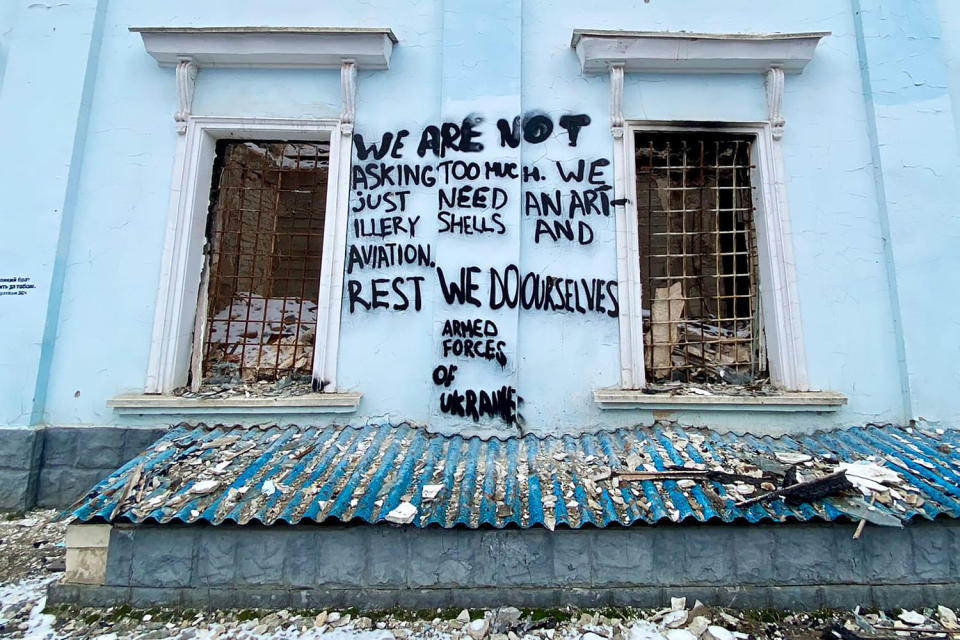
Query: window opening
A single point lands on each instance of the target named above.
(265, 242)
(698, 259)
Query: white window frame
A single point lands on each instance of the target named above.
(178, 311)
(777, 270)
(771, 54)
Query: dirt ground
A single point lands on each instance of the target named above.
(32, 556)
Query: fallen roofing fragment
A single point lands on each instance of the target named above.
(639, 475)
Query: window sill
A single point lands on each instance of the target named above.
(789, 401)
(137, 404)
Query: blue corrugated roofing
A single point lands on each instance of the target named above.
(241, 475)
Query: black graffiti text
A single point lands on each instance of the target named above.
(390, 200)
(470, 197)
(558, 230)
(531, 290)
(450, 136)
(388, 254)
(386, 293)
(470, 224)
(462, 292)
(574, 202)
(374, 175)
(501, 403)
(364, 151)
(473, 339)
(384, 227)
(537, 127)
(593, 175)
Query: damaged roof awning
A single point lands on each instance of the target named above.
(403, 474)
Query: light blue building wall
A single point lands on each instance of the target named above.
(871, 155)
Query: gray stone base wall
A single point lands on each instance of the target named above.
(53, 466)
(20, 451)
(790, 565)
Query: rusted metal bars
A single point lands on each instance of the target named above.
(699, 266)
(265, 246)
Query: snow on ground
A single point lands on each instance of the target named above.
(31, 555)
(21, 609)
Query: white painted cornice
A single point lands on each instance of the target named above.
(679, 52)
(269, 47)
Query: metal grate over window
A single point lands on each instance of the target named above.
(698, 258)
(262, 273)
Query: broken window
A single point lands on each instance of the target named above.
(262, 267)
(698, 258)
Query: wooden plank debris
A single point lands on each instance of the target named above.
(805, 491)
(665, 310)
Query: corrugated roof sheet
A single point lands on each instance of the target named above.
(290, 474)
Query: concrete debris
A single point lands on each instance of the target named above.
(644, 630)
(729, 619)
(225, 388)
(204, 487)
(430, 491)
(477, 629)
(912, 617)
(339, 621)
(679, 634)
(404, 513)
(789, 457)
(715, 632)
(698, 625)
(675, 619)
(504, 619)
(947, 617)
(268, 488)
(678, 604)
(464, 617)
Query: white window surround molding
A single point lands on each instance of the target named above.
(680, 52)
(179, 308)
(178, 311)
(617, 52)
(792, 402)
(269, 47)
(190, 48)
(242, 408)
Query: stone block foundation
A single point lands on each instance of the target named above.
(54, 466)
(788, 565)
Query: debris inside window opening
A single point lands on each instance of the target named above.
(262, 268)
(698, 263)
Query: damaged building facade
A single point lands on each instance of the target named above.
(528, 301)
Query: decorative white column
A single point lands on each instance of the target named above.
(628, 266)
(186, 81)
(788, 368)
(775, 101)
(334, 253)
(348, 95)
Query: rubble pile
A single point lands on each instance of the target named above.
(32, 545)
(677, 622)
(255, 334)
(289, 386)
(756, 387)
